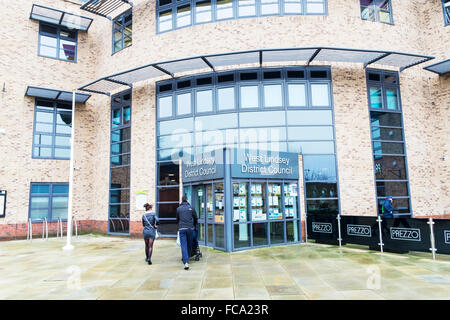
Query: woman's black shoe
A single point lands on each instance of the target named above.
(149, 262)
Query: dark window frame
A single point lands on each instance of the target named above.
(375, 156)
(174, 4)
(50, 196)
(58, 38)
(376, 11)
(121, 19)
(446, 12)
(53, 134)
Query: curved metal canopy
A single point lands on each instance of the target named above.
(124, 80)
(440, 67)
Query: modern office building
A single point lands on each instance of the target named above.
(326, 105)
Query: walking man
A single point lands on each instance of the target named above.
(186, 219)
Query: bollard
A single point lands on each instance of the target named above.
(381, 237)
(339, 229)
(433, 246)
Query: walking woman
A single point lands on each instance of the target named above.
(150, 222)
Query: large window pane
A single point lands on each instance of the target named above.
(390, 168)
(183, 16)
(168, 127)
(257, 198)
(224, 9)
(165, 107)
(310, 133)
(396, 189)
(219, 234)
(260, 234)
(400, 205)
(319, 147)
(292, 231)
(249, 97)
(167, 210)
(387, 148)
(309, 117)
(204, 101)
(375, 97)
(259, 119)
(385, 119)
(321, 190)
(387, 134)
(226, 99)
(242, 235)
(246, 8)
(276, 232)
(165, 20)
(273, 96)
(391, 99)
(275, 205)
(240, 203)
(203, 11)
(319, 168)
(320, 95)
(184, 104)
(215, 122)
(322, 206)
(296, 95)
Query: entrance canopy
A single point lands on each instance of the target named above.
(104, 7)
(58, 95)
(440, 68)
(59, 17)
(124, 80)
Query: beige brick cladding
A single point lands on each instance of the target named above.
(418, 28)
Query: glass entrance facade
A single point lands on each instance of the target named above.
(279, 109)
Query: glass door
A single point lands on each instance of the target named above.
(209, 215)
(198, 203)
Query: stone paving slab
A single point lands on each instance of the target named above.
(106, 267)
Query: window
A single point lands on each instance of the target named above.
(446, 8)
(383, 90)
(48, 200)
(52, 130)
(122, 31)
(57, 42)
(175, 14)
(388, 140)
(376, 10)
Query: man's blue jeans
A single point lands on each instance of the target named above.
(186, 237)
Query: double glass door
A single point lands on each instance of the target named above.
(209, 203)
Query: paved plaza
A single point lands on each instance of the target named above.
(103, 267)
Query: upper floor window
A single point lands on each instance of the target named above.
(57, 42)
(383, 87)
(52, 130)
(175, 14)
(446, 7)
(122, 31)
(376, 10)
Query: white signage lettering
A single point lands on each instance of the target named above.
(408, 234)
(322, 227)
(447, 236)
(359, 230)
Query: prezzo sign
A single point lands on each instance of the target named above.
(322, 227)
(447, 236)
(409, 234)
(359, 230)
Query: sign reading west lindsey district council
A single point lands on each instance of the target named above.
(279, 165)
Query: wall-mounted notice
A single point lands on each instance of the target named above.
(2, 203)
(141, 199)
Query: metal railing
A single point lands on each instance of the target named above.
(29, 230)
(44, 229)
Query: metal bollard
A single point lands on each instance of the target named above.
(381, 237)
(339, 229)
(433, 246)
(29, 230)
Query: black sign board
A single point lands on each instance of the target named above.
(2, 203)
(323, 228)
(406, 234)
(360, 230)
(441, 230)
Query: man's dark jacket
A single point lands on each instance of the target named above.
(186, 216)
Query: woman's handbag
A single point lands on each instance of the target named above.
(178, 239)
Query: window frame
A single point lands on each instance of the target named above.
(376, 10)
(58, 41)
(54, 134)
(50, 196)
(174, 4)
(446, 15)
(121, 29)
